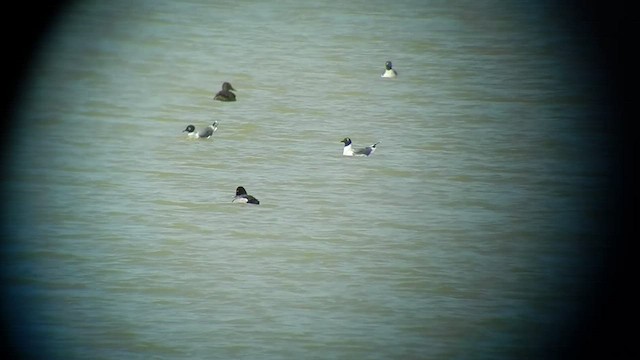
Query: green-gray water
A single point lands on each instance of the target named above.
(470, 233)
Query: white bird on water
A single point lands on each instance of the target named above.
(389, 72)
(203, 134)
(348, 150)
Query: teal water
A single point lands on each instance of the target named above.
(470, 233)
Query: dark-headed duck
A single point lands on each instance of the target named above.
(225, 94)
(243, 197)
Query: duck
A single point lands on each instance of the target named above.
(389, 72)
(225, 94)
(243, 197)
(349, 151)
(203, 134)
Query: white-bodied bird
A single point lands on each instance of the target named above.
(350, 151)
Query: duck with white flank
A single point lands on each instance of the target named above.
(225, 94)
(203, 134)
(243, 197)
(349, 151)
(389, 72)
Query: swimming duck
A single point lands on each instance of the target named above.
(242, 197)
(203, 134)
(349, 151)
(389, 72)
(225, 94)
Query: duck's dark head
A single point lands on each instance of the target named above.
(227, 86)
(240, 191)
(190, 128)
(388, 65)
(346, 141)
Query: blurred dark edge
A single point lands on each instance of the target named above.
(23, 28)
(609, 315)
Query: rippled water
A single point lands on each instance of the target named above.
(470, 233)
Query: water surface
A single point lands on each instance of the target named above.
(470, 233)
